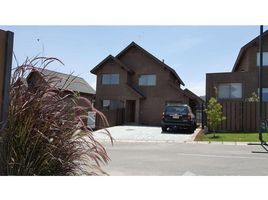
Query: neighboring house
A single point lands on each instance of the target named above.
(239, 84)
(66, 82)
(140, 85)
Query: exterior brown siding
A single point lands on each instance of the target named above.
(241, 116)
(143, 103)
(248, 61)
(249, 82)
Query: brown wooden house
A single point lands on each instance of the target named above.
(138, 84)
(233, 89)
(239, 84)
(67, 84)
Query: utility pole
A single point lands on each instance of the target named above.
(260, 82)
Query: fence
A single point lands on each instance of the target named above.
(114, 117)
(242, 116)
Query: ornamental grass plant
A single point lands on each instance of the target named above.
(45, 133)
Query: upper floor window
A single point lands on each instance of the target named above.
(110, 79)
(230, 91)
(149, 80)
(265, 59)
(264, 94)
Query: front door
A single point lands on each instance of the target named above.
(130, 111)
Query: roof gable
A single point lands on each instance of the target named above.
(133, 44)
(110, 57)
(244, 48)
(192, 95)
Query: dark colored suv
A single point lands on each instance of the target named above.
(179, 117)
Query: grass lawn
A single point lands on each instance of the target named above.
(233, 137)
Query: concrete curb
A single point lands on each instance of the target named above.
(177, 142)
(192, 140)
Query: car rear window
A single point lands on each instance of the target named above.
(177, 109)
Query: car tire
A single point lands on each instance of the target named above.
(164, 128)
(192, 129)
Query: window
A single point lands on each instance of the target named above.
(110, 79)
(265, 59)
(230, 91)
(264, 94)
(112, 104)
(149, 80)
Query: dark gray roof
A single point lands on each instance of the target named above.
(69, 82)
(133, 44)
(193, 95)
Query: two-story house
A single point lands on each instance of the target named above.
(140, 84)
(239, 84)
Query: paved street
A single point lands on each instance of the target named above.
(180, 159)
(146, 151)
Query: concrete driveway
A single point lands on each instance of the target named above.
(143, 134)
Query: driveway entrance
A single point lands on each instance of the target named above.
(144, 134)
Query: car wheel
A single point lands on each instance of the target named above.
(192, 129)
(164, 128)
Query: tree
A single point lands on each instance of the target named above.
(253, 98)
(214, 114)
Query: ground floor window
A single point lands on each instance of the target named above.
(112, 104)
(230, 91)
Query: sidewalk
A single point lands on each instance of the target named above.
(142, 134)
(150, 134)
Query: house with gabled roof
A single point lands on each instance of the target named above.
(140, 84)
(64, 82)
(67, 84)
(242, 81)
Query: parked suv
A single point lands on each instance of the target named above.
(178, 116)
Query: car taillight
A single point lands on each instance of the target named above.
(163, 115)
(189, 116)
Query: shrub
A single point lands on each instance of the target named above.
(253, 98)
(214, 114)
(45, 134)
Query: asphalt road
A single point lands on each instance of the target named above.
(179, 159)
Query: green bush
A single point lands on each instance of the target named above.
(45, 133)
(214, 114)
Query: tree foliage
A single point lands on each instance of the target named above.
(253, 98)
(214, 114)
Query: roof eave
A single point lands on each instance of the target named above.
(97, 67)
(242, 50)
(160, 62)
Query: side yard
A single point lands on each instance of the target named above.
(231, 137)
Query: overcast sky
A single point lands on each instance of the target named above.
(192, 51)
